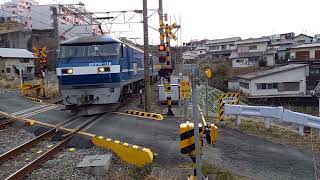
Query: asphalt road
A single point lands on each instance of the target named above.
(243, 154)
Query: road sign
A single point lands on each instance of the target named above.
(227, 98)
(185, 89)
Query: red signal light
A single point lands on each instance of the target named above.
(162, 47)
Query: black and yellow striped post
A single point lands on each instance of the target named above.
(227, 98)
(187, 143)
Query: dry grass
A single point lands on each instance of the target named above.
(9, 83)
(276, 134)
(51, 89)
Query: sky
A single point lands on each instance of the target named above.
(214, 19)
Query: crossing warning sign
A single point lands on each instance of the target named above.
(185, 89)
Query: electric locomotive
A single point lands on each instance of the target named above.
(96, 72)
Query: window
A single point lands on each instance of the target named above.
(267, 86)
(213, 47)
(13, 12)
(223, 47)
(244, 85)
(289, 86)
(8, 70)
(29, 69)
(24, 61)
(253, 47)
(90, 50)
(239, 60)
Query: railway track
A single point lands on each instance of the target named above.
(35, 152)
(4, 122)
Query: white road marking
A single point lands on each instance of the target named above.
(29, 109)
(38, 111)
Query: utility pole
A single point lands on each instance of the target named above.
(195, 114)
(147, 92)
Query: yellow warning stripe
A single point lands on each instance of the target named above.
(34, 99)
(129, 153)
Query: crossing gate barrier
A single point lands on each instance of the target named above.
(145, 114)
(227, 98)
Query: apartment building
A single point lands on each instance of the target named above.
(253, 52)
(218, 48)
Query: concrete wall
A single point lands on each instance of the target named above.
(270, 60)
(245, 47)
(294, 75)
(41, 17)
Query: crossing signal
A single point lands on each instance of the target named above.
(162, 47)
(162, 59)
(40, 52)
(165, 72)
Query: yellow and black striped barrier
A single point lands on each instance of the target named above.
(187, 143)
(227, 98)
(34, 100)
(129, 153)
(145, 114)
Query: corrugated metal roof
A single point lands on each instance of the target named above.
(309, 45)
(15, 53)
(271, 71)
(252, 40)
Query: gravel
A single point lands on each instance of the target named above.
(61, 166)
(12, 137)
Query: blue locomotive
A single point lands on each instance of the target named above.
(96, 72)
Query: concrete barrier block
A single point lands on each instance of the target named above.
(97, 165)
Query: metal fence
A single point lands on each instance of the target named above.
(213, 96)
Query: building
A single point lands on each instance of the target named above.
(221, 47)
(308, 54)
(253, 52)
(70, 21)
(281, 37)
(18, 11)
(316, 38)
(188, 55)
(10, 58)
(303, 38)
(283, 81)
(193, 44)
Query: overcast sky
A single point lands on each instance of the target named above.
(221, 18)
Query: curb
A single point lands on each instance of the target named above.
(34, 100)
(145, 114)
(129, 153)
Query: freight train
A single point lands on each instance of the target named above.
(97, 72)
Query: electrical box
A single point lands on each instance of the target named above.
(174, 94)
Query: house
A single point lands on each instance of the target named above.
(289, 80)
(193, 44)
(310, 52)
(253, 52)
(11, 58)
(316, 38)
(302, 39)
(218, 48)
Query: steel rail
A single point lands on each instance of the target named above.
(21, 173)
(27, 145)
(5, 123)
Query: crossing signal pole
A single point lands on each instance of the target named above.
(167, 69)
(41, 55)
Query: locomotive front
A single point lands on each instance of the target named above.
(89, 73)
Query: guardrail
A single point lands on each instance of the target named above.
(273, 113)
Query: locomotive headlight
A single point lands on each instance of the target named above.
(103, 69)
(67, 71)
